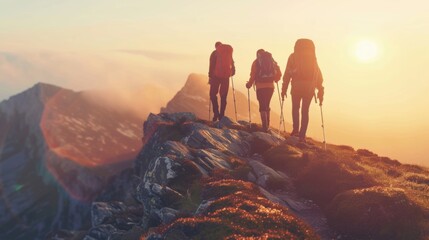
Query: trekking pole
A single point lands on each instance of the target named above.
(250, 114)
(323, 124)
(282, 118)
(323, 127)
(233, 93)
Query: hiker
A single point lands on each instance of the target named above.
(220, 70)
(304, 72)
(264, 73)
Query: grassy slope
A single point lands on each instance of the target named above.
(322, 175)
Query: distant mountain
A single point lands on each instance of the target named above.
(194, 97)
(57, 152)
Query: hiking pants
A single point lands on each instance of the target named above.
(219, 86)
(264, 96)
(296, 104)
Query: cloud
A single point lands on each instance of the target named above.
(141, 101)
(78, 71)
(158, 55)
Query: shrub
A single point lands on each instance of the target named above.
(376, 213)
(286, 158)
(321, 180)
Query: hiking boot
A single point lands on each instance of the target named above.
(215, 118)
(268, 120)
(294, 133)
(264, 121)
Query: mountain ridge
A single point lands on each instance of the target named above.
(187, 172)
(50, 160)
(195, 179)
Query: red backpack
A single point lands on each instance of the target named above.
(223, 67)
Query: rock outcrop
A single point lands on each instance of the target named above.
(194, 180)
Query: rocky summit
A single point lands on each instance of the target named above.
(195, 179)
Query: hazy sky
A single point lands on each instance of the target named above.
(380, 104)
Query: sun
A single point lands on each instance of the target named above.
(366, 51)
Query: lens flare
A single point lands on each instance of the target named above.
(86, 143)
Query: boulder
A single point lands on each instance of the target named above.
(160, 131)
(100, 211)
(266, 176)
(227, 122)
(162, 170)
(226, 140)
(261, 141)
(118, 214)
(154, 197)
(167, 215)
(101, 232)
(210, 159)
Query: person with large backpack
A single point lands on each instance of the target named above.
(221, 68)
(265, 71)
(305, 76)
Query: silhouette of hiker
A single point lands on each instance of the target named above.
(220, 70)
(303, 70)
(264, 73)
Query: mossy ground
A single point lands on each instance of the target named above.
(237, 211)
(323, 175)
(377, 212)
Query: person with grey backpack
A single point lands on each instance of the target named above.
(265, 71)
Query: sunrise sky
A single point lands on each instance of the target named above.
(373, 55)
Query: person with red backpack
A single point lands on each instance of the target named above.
(265, 71)
(305, 76)
(221, 68)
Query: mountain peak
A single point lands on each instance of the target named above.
(45, 91)
(196, 82)
(43, 85)
(194, 97)
(38, 96)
